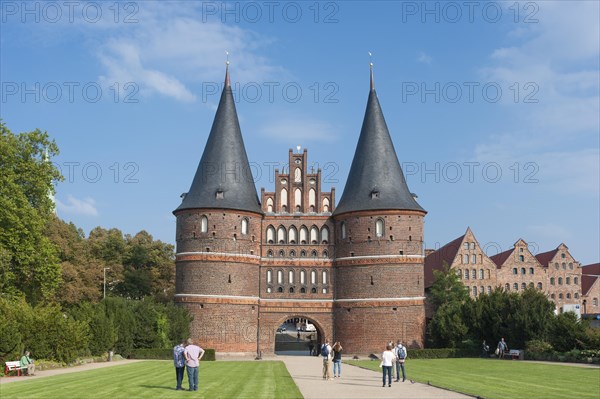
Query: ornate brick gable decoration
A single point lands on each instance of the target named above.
(244, 266)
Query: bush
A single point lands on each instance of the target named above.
(442, 353)
(209, 355)
(159, 353)
(539, 346)
(165, 354)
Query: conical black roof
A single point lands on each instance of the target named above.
(223, 179)
(376, 180)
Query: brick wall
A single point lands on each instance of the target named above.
(566, 272)
(365, 328)
(223, 234)
(403, 234)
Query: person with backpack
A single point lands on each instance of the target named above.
(326, 355)
(401, 355)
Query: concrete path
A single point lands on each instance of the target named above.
(355, 382)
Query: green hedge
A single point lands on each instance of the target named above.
(165, 354)
(441, 353)
(573, 356)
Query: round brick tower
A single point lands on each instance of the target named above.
(379, 293)
(218, 240)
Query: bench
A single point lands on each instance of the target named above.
(14, 366)
(515, 354)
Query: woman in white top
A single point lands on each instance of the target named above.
(387, 359)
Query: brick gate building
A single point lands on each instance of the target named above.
(244, 265)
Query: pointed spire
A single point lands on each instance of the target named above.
(376, 180)
(227, 84)
(224, 178)
(371, 68)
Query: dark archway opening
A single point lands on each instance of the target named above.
(298, 336)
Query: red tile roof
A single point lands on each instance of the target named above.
(545, 257)
(589, 275)
(500, 258)
(435, 260)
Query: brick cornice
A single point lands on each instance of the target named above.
(216, 257)
(379, 212)
(379, 302)
(378, 260)
(202, 211)
(313, 262)
(216, 299)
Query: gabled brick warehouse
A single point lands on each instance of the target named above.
(245, 266)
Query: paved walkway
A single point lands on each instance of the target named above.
(355, 382)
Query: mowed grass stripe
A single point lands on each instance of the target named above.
(496, 379)
(156, 379)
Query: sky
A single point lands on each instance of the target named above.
(493, 107)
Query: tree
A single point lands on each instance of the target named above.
(567, 332)
(81, 272)
(446, 288)
(447, 327)
(149, 268)
(26, 186)
(449, 298)
(519, 317)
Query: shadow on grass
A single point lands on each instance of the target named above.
(157, 387)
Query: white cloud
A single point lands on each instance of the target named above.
(559, 55)
(123, 64)
(171, 49)
(74, 206)
(424, 58)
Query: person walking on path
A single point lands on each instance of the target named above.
(387, 359)
(179, 362)
(193, 354)
(326, 355)
(27, 362)
(401, 355)
(337, 360)
(502, 347)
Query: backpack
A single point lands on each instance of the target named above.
(324, 351)
(402, 352)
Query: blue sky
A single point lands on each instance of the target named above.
(492, 106)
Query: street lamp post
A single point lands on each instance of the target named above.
(104, 284)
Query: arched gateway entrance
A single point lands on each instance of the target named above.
(298, 336)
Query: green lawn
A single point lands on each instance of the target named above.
(156, 379)
(502, 379)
